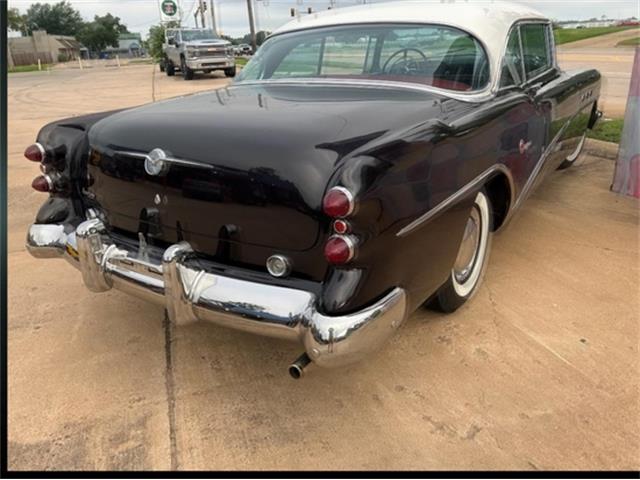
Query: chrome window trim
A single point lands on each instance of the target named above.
(478, 96)
(527, 81)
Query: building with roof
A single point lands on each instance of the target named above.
(129, 46)
(44, 47)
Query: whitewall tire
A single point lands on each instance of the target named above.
(472, 259)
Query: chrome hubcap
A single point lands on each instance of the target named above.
(469, 247)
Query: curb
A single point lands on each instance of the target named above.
(602, 149)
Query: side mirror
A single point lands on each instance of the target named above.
(171, 41)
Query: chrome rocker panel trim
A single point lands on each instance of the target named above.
(190, 295)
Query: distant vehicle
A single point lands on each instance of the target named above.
(191, 50)
(244, 49)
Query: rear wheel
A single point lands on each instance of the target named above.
(571, 159)
(471, 262)
(187, 73)
(230, 72)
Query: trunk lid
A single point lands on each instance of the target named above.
(259, 160)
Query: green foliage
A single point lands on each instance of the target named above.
(630, 42)
(607, 129)
(261, 36)
(28, 68)
(16, 21)
(566, 35)
(156, 39)
(57, 19)
(103, 32)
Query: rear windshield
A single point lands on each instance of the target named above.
(434, 55)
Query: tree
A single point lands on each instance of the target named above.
(16, 21)
(156, 39)
(103, 32)
(261, 36)
(58, 19)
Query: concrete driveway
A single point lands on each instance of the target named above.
(539, 371)
(614, 63)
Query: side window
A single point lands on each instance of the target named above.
(301, 61)
(512, 73)
(535, 47)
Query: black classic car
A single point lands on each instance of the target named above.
(355, 170)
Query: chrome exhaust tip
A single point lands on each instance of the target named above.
(296, 369)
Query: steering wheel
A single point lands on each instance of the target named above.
(406, 67)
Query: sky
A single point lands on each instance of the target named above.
(232, 20)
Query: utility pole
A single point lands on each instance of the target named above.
(212, 6)
(202, 8)
(252, 25)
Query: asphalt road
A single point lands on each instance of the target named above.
(614, 63)
(540, 371)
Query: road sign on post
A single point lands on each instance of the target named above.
(626, 177)
(169, 10)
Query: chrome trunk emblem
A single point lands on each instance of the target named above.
(155, 162)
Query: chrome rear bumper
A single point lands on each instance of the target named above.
(190, 294)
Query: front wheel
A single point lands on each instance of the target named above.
(472, 259)
(230, 72)
(170, 69)
(187, 73)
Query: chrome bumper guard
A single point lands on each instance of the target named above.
(190, 294)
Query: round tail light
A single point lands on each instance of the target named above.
(339, 249)
(35, 152)
(338, 202)
(42, 183)
(341, 227)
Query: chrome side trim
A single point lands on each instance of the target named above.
(172, 160)
(190, 294)
(535, 173)
(469, 188)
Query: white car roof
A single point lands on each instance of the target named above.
(489, 21)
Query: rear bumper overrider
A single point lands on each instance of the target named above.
(190, 294)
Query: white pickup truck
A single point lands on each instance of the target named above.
(193, 49)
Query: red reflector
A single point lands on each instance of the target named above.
(41, 184)
(35, 152)
(339, 250)
(338, 202)
(340, 226)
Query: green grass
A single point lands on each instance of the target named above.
(241, 61)
(633, 42)
(607, 129)
(567, 35)
(27, 68)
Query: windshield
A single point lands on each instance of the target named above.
(434, 55)
(189, 35)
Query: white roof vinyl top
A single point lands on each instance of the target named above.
(489, 21)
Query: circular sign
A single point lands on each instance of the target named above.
(169, 7)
